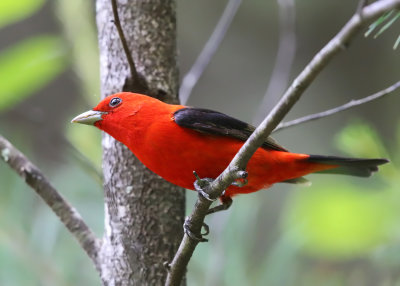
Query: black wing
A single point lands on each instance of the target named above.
(217, 123)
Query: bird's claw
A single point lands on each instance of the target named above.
(242, 174)
(205, 195)
(241, 180)
(200, 184)
(198, 238)
(241, 183)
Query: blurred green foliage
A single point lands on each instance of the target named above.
(80, 31)
(335, 220)
(342, 220)
(28, 66)
(12, 11)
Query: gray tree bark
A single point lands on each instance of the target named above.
(143, 213)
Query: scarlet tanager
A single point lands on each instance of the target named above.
(175, 140)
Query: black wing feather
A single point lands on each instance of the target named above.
(217, 123)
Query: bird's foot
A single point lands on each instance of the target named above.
(199, 238)
(240, 183)
(201, 184)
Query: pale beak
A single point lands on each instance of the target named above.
(89, 117)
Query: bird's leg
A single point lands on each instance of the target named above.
(226, 202)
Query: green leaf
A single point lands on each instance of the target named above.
(12, 11)
(380, 21)
(387, 25)
(375, 24)
(28, 66)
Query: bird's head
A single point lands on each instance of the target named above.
(115, 113)
(112, 108)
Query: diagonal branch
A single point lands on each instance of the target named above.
(239, 162)
(37, 181)
(194, 74)
(329, 112)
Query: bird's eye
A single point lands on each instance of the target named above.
(115, 102)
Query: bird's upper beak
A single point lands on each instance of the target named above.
(88, 117)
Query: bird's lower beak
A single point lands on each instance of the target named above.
(89, 117)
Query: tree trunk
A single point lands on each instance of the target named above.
(143, 213)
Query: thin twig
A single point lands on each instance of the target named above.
(194, 74)
(284, 59)
(38, 182)
(136, 79)
(329, 112)
(239, 162)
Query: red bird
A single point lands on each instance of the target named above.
(175, 140)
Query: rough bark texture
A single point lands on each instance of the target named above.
(143, 213)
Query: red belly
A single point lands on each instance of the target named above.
(175, 155)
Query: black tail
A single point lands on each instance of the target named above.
(349, 166)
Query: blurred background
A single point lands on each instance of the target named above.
(339, 231)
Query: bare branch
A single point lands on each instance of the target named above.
(194, 74)
(239, 162)
(284, 60)
(329, 112)
(138, 82)
(37, 181)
